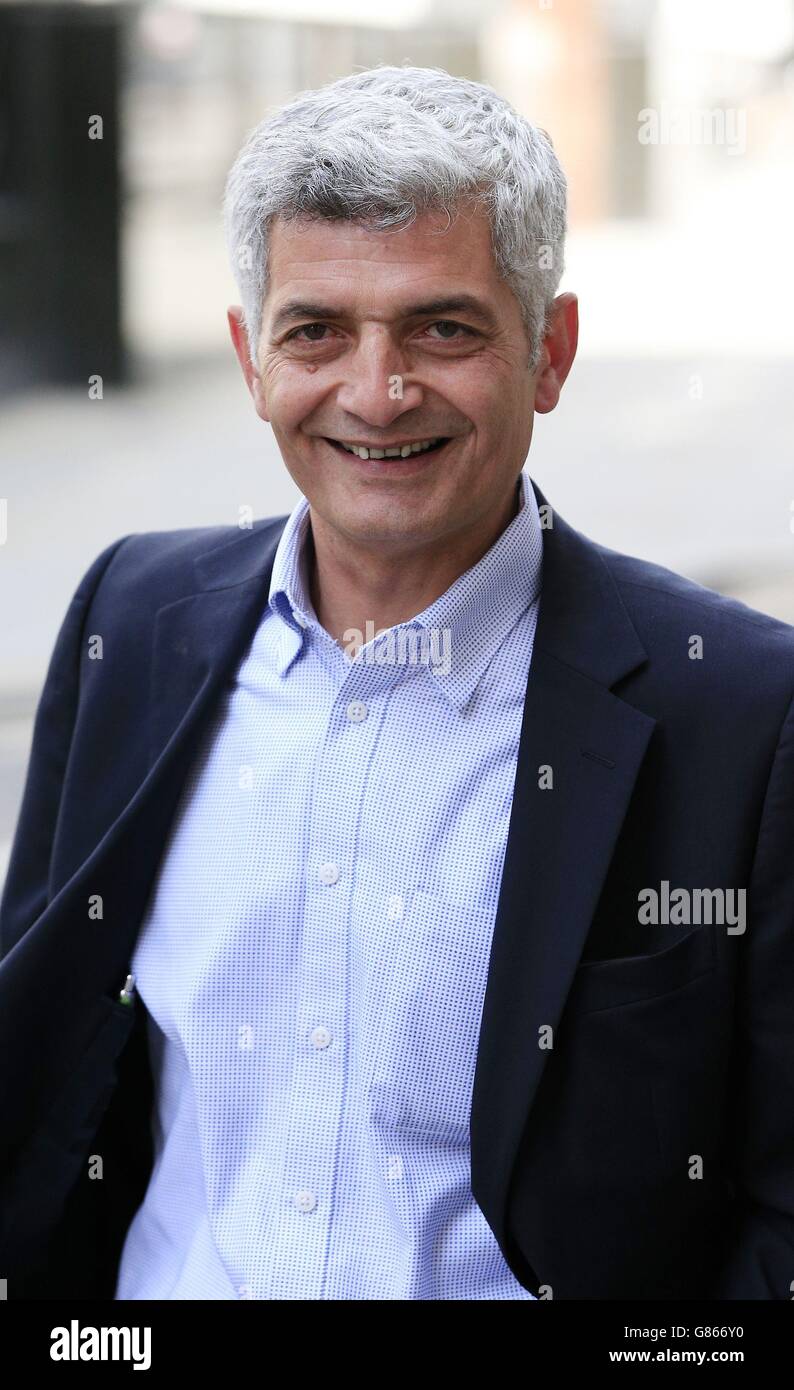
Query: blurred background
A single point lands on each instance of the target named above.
(122, 407)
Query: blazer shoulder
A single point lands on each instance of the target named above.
(746, 665)
(652, 591)
(162, 563)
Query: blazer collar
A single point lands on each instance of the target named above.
(583, 621)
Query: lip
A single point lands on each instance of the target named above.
(397, 467)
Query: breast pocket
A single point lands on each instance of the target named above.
(423, 1012)
(609, 984)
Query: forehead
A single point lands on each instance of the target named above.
(432, 250)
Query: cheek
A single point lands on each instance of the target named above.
(483, 396)
(292, 392)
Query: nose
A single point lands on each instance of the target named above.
(374, 387)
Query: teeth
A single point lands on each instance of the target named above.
(361, 452)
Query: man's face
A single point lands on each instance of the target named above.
(365, 341)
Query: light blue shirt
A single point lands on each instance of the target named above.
(315, 949)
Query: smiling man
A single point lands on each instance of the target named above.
(392, 420)
(398, 1020)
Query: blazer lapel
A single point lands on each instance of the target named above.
(198, 639)
(560, 840)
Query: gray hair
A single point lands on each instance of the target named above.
(382, 146)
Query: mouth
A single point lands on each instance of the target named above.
(397, 457)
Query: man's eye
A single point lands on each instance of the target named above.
(305, 328)
(449, 323)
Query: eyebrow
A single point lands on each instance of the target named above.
(293, 309)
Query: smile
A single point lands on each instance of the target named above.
(393, 451)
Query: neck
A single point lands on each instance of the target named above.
(351, 587)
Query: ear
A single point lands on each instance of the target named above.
(559, 350)
(253, 380)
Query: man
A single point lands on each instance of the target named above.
(449, 852)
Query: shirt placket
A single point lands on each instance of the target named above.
(321, 1067)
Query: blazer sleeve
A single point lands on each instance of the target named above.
(27, 888)
(759, 1259)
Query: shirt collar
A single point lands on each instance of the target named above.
(459, 633)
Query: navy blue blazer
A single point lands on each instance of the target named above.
(648, 1152)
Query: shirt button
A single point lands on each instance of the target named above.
(395, 907)
(356, 711)
(320, 1036)
(305, 1201)
(328, 873)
